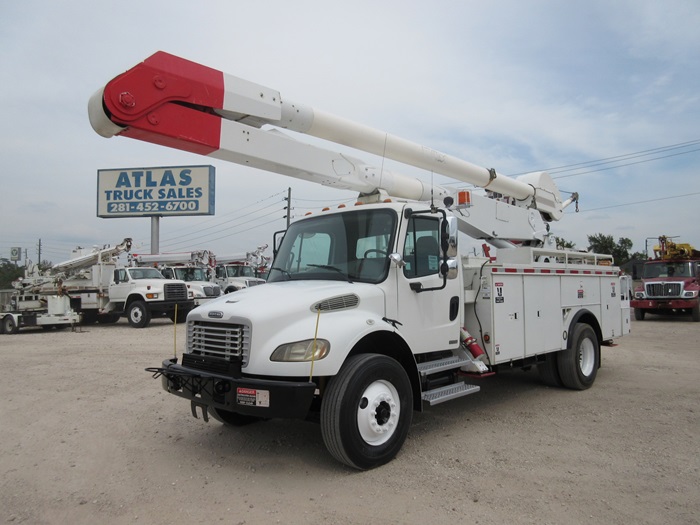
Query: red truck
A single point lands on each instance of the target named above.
(670, 282)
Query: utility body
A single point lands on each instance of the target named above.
(370, 311)
(670, 282)
(103, 291)
(194, 268)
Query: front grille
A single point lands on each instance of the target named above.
(664, 289)
(175, 292)
(221, 340)
(212, 291)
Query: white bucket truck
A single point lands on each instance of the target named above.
(370, 312)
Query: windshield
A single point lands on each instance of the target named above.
(190, 274)
(145, 273)
(668, 269)
(238, 270)
(351, 246)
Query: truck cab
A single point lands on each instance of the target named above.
(197, 281)
(232, 277)
(670, 286)
(142, 293)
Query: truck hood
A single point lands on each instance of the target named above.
(289, 299)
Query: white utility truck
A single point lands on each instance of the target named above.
(370, 311)
(236, 272)
(195, 268)
(30, 309)
(102, 291)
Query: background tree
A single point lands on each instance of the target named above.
(620, 251)
(563, 243)
(9, 271)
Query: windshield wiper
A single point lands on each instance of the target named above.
(334, 268)
(285, 272)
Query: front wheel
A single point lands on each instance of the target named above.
(9, 326)
(578, 364)
(695, 312)
(367, 411)
(639, 314)
(138, 314)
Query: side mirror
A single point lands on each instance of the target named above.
(397, 259)
(449, 235)
(450, 268)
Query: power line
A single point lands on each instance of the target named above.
(657, 199)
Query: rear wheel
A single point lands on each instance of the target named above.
(108, 318)
(180, 318)
(639, 314)
(367, 411)
(138, 314)
(578, 364)
(549, 370)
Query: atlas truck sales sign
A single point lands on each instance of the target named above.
(165, 191)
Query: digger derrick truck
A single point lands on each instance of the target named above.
(195, 268)
(670, 282)
(369, 312)
(102, 291)
(29, 308)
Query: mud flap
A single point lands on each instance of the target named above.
(205, 412)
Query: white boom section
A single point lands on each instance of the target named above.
(177, 103)
(95, 256)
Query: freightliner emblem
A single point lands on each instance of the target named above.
(216, 314)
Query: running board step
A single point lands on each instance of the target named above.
(448, 363)
(445, 393)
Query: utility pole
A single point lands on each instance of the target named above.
(288, 207)
(39, 253)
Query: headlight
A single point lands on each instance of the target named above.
(151, 296)
(639, 295)
(690, 293)
(306, 350)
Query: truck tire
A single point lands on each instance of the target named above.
(181, 316)
(138, 314)
(639, 314)
(549, 370)
(108, 318)
(578, 364)
(9, 326)
(695, 312)
(367, 411)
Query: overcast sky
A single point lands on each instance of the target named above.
(603, 94)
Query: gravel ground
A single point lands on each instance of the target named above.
(87, 436)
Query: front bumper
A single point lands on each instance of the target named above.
(663, 304)
(243, 395)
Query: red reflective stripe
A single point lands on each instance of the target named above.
(511, 270)
(529, 270)
(546, 271)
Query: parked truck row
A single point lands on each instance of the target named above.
(93, 287)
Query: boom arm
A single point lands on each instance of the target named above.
(173, 102)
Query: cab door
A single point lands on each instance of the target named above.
(428, 306)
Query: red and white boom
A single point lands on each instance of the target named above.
(174, 102)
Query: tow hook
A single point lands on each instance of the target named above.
(205, 412)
